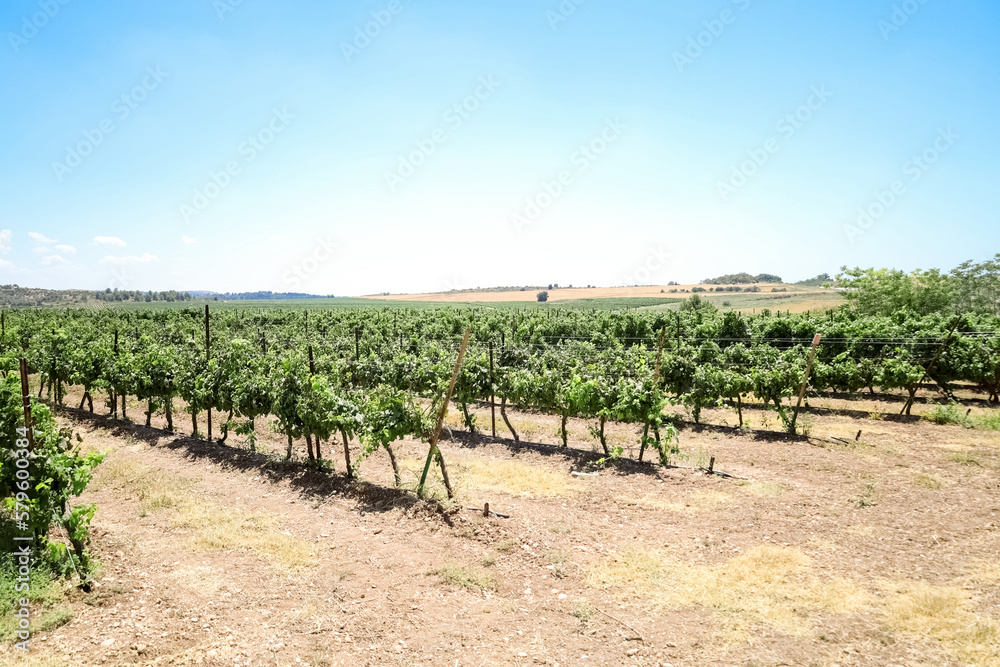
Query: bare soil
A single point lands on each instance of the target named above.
(881, 550)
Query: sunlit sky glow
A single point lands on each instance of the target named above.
(262, 144)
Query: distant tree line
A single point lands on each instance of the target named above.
(743, 279)
(264, 296)
(137, 295)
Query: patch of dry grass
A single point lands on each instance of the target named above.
(511, 476)
(928, 481)
(465, 577)
(698, 501)
(766, 585)
(220, 529)
(154, 489)
(943, 614)
(212, 528)
(763, 489)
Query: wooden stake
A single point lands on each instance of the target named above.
(805, 381)
(312, 365)
(26, 402)
(357, 344)
(440, 421)
(493, 398)
(659, 357)
(208, 355)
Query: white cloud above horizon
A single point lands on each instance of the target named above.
(109, 240)
(41, 238)
(187, 240)
(6, 236)
(66, 249)
(54, 260)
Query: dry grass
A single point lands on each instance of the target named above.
(698, 501)
(217, 529)
(928, 481)
(212, 528)
(513, 477)
(943, 614)
(153, 488)
(762, 489)
(766, 585)
(465, 577)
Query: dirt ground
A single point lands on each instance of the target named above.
(827, 550)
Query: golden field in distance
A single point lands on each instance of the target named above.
(796, 299)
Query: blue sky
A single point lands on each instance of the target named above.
(227, 145)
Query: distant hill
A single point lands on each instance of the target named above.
(743, 279)
(15, 296)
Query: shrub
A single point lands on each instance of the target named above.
(57, 472)
(542, 296)
(948, 414)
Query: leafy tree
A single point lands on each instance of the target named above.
(888, 291)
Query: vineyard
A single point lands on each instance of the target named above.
(376, 375)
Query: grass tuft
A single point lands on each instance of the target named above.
(465, 577)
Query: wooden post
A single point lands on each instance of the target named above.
(493, 399)
(312, 365)
(659, 357)
(208, 355)
(440, 421)
(26, 402)
(805, 381)
(357, 343)
(927, 369)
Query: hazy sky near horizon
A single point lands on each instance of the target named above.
(408, 145)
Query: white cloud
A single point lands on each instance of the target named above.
(4, 264)
(42, 248)
(108, 240)
(66, 249)
(187, 240)
(275, 238)
(53, 259)
(41, 238)
(5, 238)
(130, 259)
